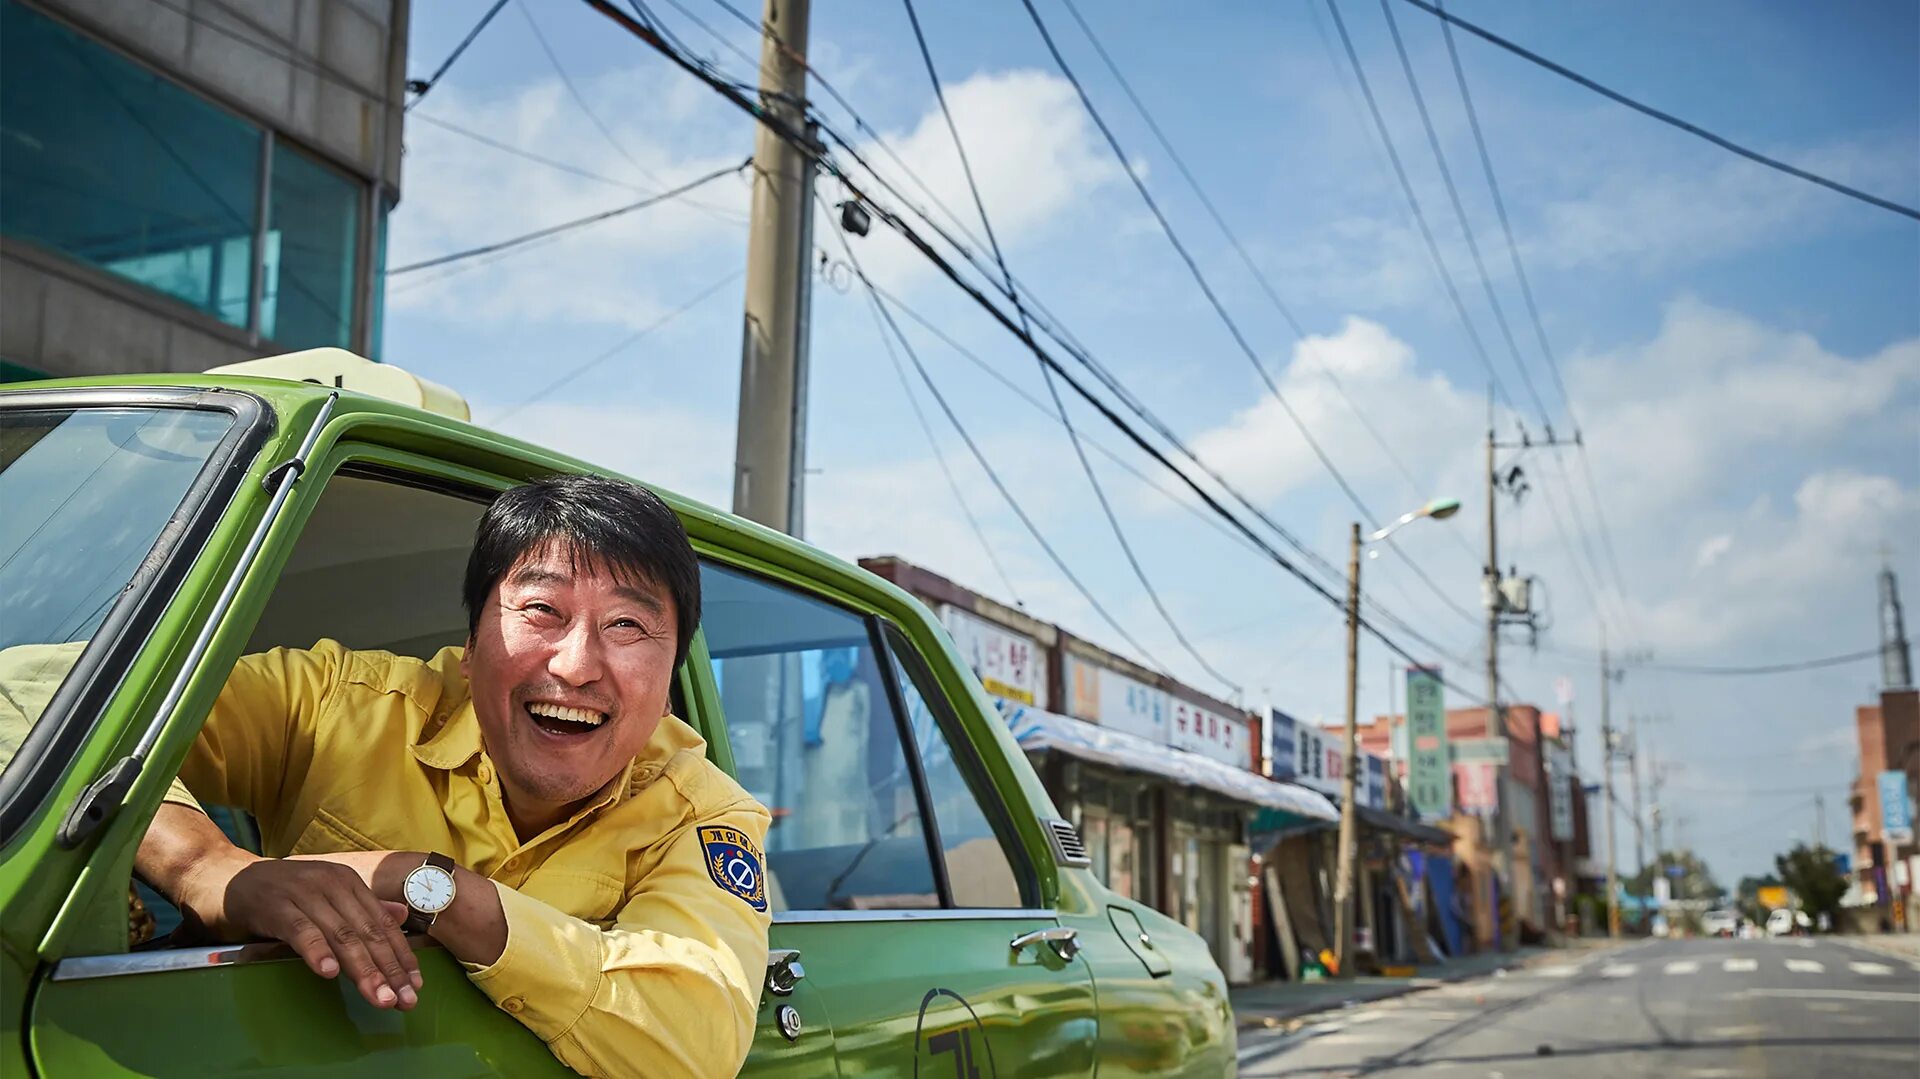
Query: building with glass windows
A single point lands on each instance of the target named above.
(188, 183)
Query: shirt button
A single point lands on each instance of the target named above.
(486, 772)
(514, 1005)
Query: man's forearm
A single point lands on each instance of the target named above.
(474, 928)
(180, 846)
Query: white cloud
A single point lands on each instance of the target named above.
(1261, 451)
(1033, 153)
(1711, 550)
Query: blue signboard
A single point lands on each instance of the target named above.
(1283, 727)
(1896, 813)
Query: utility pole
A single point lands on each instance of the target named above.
(1819, 820)
(1606, 782)
(770, 446)
(1343, 875)
(1633, 780)
(1496, 721)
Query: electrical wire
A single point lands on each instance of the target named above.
(528, 155)
(618, 347)
(1413, 203)
(1765, 668)
(1664, 117)
(1253, 268)
(1053, 391)
(814, 150)
(433, 80)
(581, 100)
(1460, 213)
(567, 226)
(1219, 308)
(981, 458)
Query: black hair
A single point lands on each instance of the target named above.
(595, 519)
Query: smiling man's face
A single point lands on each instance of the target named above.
(569, 667)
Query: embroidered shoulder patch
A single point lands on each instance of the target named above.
(734, 864)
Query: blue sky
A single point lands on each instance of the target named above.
(1742, 349)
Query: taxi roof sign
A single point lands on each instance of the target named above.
(342, 369)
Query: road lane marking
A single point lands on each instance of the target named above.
(1682, 966)
(1870, 968)
(1740, 966)
(1805, 966)
(1618, 970)
(1558, 972)
(1834, 994)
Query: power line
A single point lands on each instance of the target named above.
(1664, 117)
(981, 458)
(622, 345)
(422, 89)
(1253, 268)
(1219, 308)
(567, 226)
(1766, 668)
(1073, 436)
(529, 155)
(1460, 213)
(812, 148)
(1413, 203)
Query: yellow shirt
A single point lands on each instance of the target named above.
(636, 943)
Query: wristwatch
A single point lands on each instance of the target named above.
(428, 890)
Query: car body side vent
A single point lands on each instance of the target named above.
(1068, 850)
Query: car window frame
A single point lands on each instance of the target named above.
(878, 625)
(51, 748)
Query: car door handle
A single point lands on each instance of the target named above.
(1065, 942)
(784, 971)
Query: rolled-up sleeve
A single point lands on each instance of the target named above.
(670, 988)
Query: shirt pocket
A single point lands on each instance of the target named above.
(328, 834)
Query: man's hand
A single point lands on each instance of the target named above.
(322, 908)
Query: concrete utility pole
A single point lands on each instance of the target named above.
(1633, 780)
(1503, 869)
(1343, 873)
(1819, 820)
(770, 447)
(1606, 783)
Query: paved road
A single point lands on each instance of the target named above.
(1683, 1008)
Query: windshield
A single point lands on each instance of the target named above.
(86, 494)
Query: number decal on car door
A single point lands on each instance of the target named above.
(963, 1047)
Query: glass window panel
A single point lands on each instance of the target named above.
(114, 165)
(979, 870)
(86, 494)
(815, 741)
(313, 232)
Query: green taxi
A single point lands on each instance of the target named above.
(932, 916)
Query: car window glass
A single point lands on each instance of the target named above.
(84, 495)
(815, 740)
(978, 867)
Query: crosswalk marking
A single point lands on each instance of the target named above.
(1683, 966)
(1740, 966)
(1618, 970)
(1558, 972)
(1870, 968)
(1805, 966)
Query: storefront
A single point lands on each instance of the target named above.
(1166, 826)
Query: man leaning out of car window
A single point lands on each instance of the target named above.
(528, 800)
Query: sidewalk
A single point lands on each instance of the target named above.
(1901, 945)
(1274, 1003)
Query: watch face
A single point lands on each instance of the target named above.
(429, 889)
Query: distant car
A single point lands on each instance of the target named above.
(1719, 923)
(1786, 923)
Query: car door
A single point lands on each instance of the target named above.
(372, 554)
(893, 868)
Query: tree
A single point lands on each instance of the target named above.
(1814, 878)
(1690, 876)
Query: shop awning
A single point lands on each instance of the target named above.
(1406, 826)
(1038, 730)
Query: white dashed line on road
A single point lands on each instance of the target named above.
(1877, 969)
(1682, 966)
(1805, 966)
(1740, 966)
(1557, 972)
(1618, 970)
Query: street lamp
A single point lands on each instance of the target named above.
(1439, 509)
